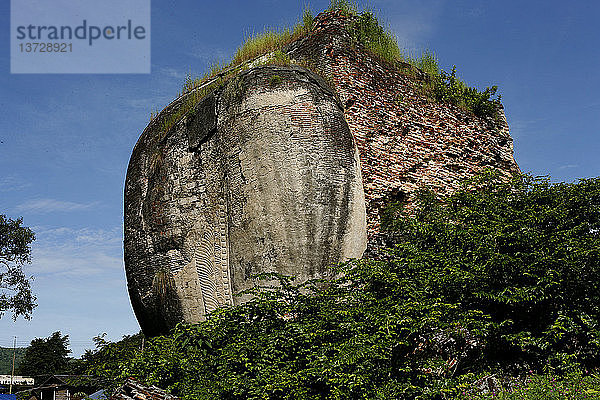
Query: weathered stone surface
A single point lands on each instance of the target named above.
(203, 123)
(262, 176)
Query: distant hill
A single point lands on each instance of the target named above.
(6, 356)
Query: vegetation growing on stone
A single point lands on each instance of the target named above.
(189, 101)
(275, 80)
(499, 279)
(366, 31)
(272, 39)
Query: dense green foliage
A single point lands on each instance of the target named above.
(46, 356)
(6, 359)
(15, 251)
(501, 277)
(108, 356)
(545, 386)
(525, 254)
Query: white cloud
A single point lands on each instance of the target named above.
(80, 285)
(521, 128)
(77, 252)
(210, 55)
(12, 183)
(74, 262)
(172, 72)
(53, 205)
(412, 21)
(146, 104)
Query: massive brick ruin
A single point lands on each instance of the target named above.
(277, 169)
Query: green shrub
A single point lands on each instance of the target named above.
(366, 30)
(449, 88)
(501, 277)
(525, 253)
(347, 7)
(428, 63)
(546, 387)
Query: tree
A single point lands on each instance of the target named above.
(15, 251)
(46, 356)
(108, 355)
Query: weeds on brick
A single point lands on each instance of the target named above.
(366, 31)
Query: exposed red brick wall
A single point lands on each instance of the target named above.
(405, 140)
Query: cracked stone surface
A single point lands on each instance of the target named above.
(263, 175)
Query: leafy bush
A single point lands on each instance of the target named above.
(500, 277)
(525, 253)
(449, 88)
(545, 386)
(108, 356)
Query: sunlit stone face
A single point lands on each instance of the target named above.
(261, 176)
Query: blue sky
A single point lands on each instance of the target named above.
(65, 139)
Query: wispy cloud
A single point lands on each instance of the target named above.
(12, 183)
(77, 253)
(413, 21)
(521, 127)
(568, 166)
(80, 284)
(476, 11)
(172, 72)
(210, 55)
(59, 235)
(53, 205)
(147, 103)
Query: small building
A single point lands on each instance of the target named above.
(64, 387)
(19, 384)
(16, 380)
